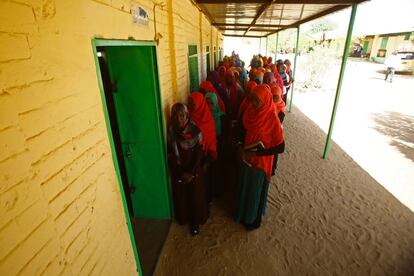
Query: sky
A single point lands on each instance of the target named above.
(373, 17)
(377, 16)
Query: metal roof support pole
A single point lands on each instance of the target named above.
(341, 76)
(266, 45)
(294, 68)
(277, 42)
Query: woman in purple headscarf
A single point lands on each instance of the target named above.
(214, 78)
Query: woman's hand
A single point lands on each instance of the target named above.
(248, 154)
(187, 178)
(204, 168)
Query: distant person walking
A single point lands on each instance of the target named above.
(392, 62)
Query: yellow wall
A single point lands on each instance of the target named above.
(60, 205)
(395, 43)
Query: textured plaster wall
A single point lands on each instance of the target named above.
(60, 205)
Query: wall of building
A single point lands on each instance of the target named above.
(60, 204)
(216, 35)
(206, 41)
(395, 43)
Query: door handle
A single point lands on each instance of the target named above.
(114, 87)
(132, 189)
(128, 152)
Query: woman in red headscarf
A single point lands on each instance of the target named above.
(249, 88)
(278, 78)
(222, 72)
(201, 115)
(279, 104)
(264, 61)
(234, 91)
(263, 139)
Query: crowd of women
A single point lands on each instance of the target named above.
(231, 128)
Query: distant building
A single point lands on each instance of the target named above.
(378, 47)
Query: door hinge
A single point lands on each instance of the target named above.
(114, 87)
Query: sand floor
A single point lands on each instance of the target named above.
(323, 218)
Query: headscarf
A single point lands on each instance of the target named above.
(262, 125)
(208, 87)
(216, 112)
(238, 63)
(254, 63)
(261, 63)
(264, 60)
(282, 72)
(269, 78)
(273, 68)
(269, 60)
(226, 63)
(204, 119)
(278, 78)
(250, 85)
(258, 75)
(214, 78)
(252, 74)
(279, 61)
(287, 66)
(222, 72)
(187, 137)
(233, 93)
(243, 75)
(249, 88)
(280, 104)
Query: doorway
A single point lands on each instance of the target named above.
(220, 54)
(208, 59)
(193, 67)
(128, 77)
(215, 58)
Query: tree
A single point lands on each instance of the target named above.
(322, 26)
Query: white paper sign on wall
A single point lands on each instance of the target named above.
(139, 15)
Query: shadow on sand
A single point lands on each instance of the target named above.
(402, 73)
(400, 128)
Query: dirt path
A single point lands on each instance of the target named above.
(323, 218)
(374, 122)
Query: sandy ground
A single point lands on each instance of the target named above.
(374, 123)
(323, 218)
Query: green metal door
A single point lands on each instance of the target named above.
(365, 48)
(208, 59)
(193, 67)
(215, 58)
(384, 43)
(133, 73)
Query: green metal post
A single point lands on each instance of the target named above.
(294, 68)
(341, 76)
(277, 42)
(266, 45)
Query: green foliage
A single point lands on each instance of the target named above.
(322, 25)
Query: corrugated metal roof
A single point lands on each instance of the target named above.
(255, 18)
